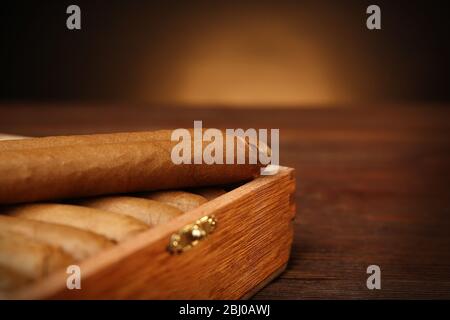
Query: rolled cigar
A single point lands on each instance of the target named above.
(80, 244)
(10, 137)
(112, 226)
(90, 170)
(210, 193)
(31, 258)
(93, 139)
(150, 212)
(11, 280)
(181, 200)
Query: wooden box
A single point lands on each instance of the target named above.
(248, 247)
(245, 241)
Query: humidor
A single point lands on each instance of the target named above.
(228, 248)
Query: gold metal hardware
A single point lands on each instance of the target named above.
(190, 235)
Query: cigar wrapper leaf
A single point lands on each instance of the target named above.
(112, 226)
(79, 243)
(181, 200)
(31, 258)
(88, 170)
(210, 193)
(79, 140)
(11, 280)
(150, 212)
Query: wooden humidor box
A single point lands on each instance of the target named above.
(248, 247)
(246, 241)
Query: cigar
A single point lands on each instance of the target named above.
(112, 226)
(79, 243)
(84, 170)
(150, 212)
(181, 200)
(10, 137)
(11, 280)
(31, 258)
(210, 193)
(24, 143)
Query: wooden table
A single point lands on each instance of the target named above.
(373, 187)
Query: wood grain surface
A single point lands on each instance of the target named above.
(373, 187)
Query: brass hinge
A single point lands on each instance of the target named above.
(190, 235)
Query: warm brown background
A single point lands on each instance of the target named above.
(260, 53)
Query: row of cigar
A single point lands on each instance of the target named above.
(38, 239)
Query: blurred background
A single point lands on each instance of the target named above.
(227, 53)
